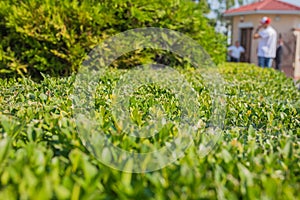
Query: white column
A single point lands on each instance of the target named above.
(297, 56)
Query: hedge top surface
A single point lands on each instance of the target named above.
(42, 156)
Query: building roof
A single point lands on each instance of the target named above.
(264, 7)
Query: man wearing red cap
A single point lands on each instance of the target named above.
(267, 43)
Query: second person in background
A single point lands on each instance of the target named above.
(235, 52)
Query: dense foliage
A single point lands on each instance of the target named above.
(55, 36)
(258, 156)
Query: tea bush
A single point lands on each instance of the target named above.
(42, 157)
(55, 36)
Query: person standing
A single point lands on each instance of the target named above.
(279, 52)
(267, 43)
(235, 51)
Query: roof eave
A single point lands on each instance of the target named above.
(281, 12)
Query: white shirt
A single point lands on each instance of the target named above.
(267, 43)
(236, 51)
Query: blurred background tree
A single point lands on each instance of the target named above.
(54, 37)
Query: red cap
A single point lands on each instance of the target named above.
(265, 20)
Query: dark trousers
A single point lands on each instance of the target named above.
(233, 59)
(277, 64)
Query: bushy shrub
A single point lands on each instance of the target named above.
(55, 36)
(257, 156)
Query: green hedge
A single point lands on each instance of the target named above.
(256, 158)
(54, 36)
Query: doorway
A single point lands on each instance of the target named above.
(246, 39)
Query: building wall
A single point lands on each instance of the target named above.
(283, 24)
